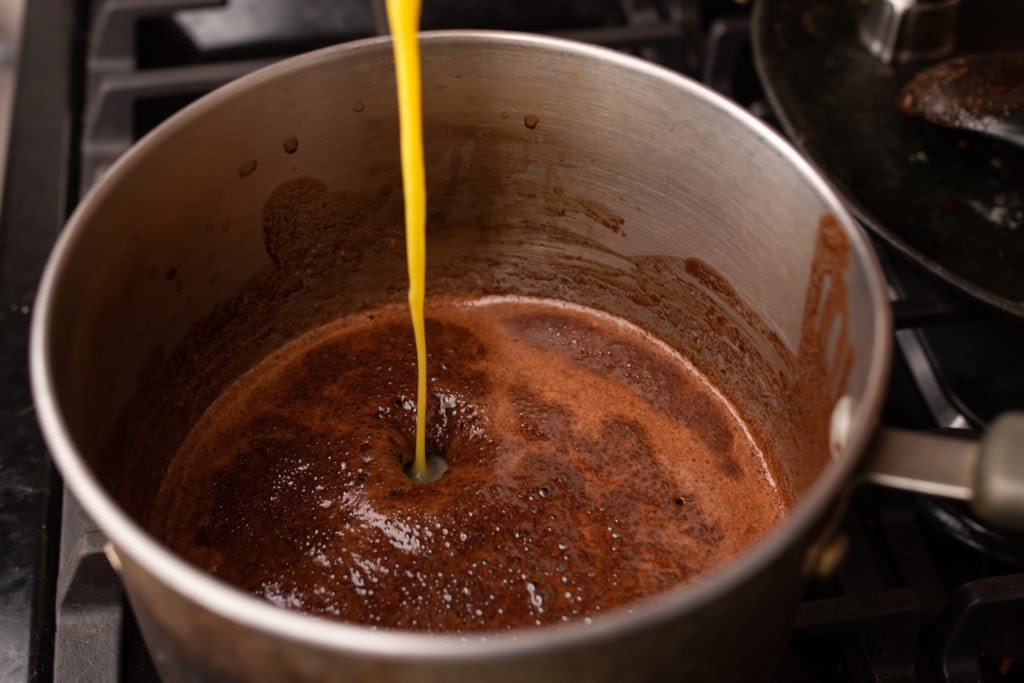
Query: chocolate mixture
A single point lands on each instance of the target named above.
(970, 91)
(590, 466)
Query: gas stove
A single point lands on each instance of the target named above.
(924, 592)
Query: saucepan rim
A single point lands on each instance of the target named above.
(137, 545)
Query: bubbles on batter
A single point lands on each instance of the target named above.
(549, 502)
(274, 593)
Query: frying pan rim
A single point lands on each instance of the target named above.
(135, 543)
(998, 302)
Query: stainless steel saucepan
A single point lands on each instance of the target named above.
(555, 169)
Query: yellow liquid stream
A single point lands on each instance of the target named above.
(404, 19)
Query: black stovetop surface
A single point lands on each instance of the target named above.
(923, 594)
(35, 203)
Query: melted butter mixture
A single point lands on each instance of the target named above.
(404, 19)
(590, 466)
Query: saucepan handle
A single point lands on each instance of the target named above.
(987, 472)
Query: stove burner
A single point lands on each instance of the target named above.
(957, 521)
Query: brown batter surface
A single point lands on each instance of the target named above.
(590, 465)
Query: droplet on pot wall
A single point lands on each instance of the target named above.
(291, 145)
(247, 169)
(358, 106)
(531, 121)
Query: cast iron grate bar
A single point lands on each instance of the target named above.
(976, 611)
(853, 613)
(112, 31)
(110, 114)
(909, 551)
(727, 37)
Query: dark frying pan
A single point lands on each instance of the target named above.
(950, 200)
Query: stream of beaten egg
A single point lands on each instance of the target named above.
(404, 19)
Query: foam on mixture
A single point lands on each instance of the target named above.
(590, 466)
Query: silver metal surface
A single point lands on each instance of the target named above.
(903, 31)
(628, 158)
(988, 473)
(925, 463)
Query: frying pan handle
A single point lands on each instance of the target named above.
(987, 472)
